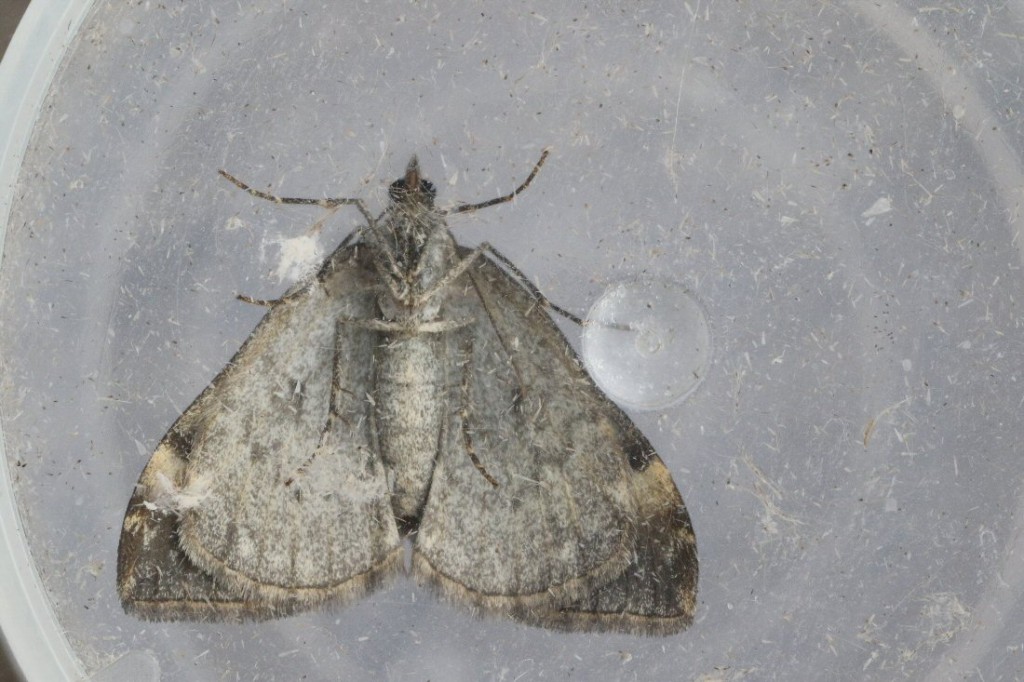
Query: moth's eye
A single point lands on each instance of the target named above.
(397, 189)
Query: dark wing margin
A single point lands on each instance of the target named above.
(586, 530)
(262, 500)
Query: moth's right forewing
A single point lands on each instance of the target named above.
(585, 529)
(656, 594)
(281, 502)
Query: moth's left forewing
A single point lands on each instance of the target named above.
(267, 496)
(585, 530)
(156, 581)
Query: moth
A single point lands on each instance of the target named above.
(411, 407)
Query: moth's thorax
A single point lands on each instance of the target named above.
(409, 235)
(422, 252)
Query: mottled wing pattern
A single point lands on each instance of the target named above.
(230, 515)
(585, 529)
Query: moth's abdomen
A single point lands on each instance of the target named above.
(409, 397)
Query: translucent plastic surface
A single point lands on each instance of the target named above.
(838, 185)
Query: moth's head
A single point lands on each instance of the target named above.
(413, 189)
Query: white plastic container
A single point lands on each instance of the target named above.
(837, 187)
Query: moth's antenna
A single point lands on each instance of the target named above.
(466, 208)
(322, 203)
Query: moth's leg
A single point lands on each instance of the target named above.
(322, 203)
(264, 302)
(530, 287)
(333, 414)
(299, 291)
(332, 205)
(466, 208)
(433, 327)
(270, 302)
(389, 270)
(521, 393)
(543, 300)
(464, 264)
(467, 436)
(318, 226)
(452, 274)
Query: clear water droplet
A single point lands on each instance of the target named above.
(647, 343)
